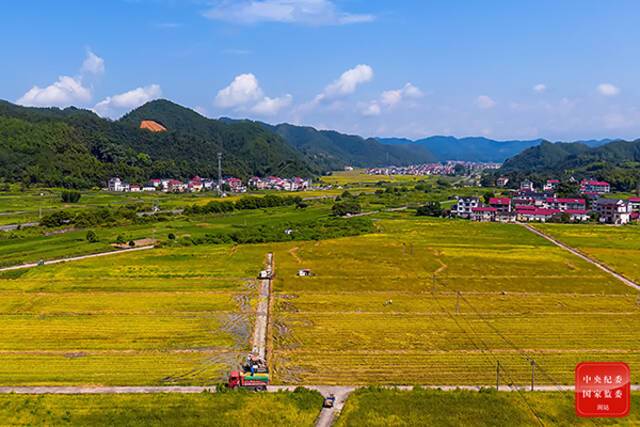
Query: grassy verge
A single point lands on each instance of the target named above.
(378, 407)
(298, 408)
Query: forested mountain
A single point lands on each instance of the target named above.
(331, 150)
(77, 148)
(617, 162)
(475, 149)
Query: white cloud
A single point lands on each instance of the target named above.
(271, 106)
(607, 89)
(92, 64)
(372, 109)
(485, 102)
(391, 98)
(63, 93)
(306, 12)
(347, 83)
(112, 105)
(244, 93)
(539, 88)
(243, 89)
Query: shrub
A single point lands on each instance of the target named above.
(430, 209)
(70, 196)
(346, 207)
(92, 237)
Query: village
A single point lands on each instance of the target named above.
(445, 168)
(198, 184)
(528, 204)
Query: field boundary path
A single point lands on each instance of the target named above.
(262, 311)
(75, 258)
(587, 258)
(338, 391)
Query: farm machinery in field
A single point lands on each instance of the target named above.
(253, 376)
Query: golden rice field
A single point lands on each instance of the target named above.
(384, 308)
(618, 247)
(158, 317)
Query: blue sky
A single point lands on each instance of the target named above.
(560, 70)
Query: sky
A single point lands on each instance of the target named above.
(560, 70)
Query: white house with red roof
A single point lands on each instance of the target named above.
(634, 202)
(532, 213)
(593, 187)
(551, 185)
(565, 203)
(502, 204)
(484, 213)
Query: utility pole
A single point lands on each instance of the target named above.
(533, 373)
(220, 173)
(498, 376)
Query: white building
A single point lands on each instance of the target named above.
(464, 207)
(613, 211)
(116, 184)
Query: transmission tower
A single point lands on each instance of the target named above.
(220, 173)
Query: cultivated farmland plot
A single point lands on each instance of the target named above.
(161, 317)
(384, 308)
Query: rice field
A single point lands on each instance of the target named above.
(618, 247)
(384, 308)
(298, 408)
(162, 317)
(383, 407)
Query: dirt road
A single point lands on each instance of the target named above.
(76, 258)
(262, 312)
(587, 258)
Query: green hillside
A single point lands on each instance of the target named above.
(77, 148)
(617, 162)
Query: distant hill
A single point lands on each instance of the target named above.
(329, 150)
(77, 148)
(475, 149)
(617, 162)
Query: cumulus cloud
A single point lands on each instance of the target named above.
(485, 102)
(306, 12)
(539, 88)
(391, 98)
(607, 89)
(347, 83)
(245, 93)
(92, 64)
(271, 106)
(66, 90)
(243, 89)
(371, 109)
(113, 105)
(63, 93)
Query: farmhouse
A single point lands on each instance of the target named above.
(116, 184)
(565, 203)
(577, 215)
(502, 204)
(464, 206)
(613, 211)
(532, 213)
(502, 181)
(551, 185)
(634, 202)
(526, 185)
(591, 187)
(484, 213)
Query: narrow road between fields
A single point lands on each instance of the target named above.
(76, 258)
(587, 258)
(323, 389)
(262, 311)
